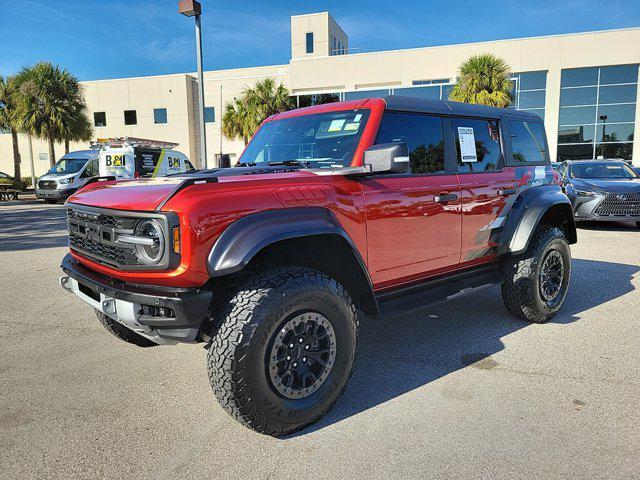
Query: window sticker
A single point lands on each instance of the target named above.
(357, 117)
(336, 125)
(351, 127)
(467, 141)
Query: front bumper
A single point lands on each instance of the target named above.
(55, 194)
(130, 304)
(586, 209)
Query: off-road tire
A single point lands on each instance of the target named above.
(521, 287)
(244, 334)
(123, 333)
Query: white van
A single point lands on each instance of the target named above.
(69, 173)
(130, 157)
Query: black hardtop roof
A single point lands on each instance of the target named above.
(426, 105)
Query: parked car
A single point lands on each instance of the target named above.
(6, 176)
(602, 190)
(130, 157)
(380, 205)
(69, 173)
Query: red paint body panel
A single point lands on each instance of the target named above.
(401, 233)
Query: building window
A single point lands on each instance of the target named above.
(597, 112)
(159, 115)
(130, 117)
(100, 119)
(357, 95)
(317, 99)
(438, 89)
(530, 91)
(430, 82)
(209, 115)
(309, 39)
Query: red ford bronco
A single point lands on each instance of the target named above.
(378, 205)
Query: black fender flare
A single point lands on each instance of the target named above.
(246, 237)
(527, 212)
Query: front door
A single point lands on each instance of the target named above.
(413, 219)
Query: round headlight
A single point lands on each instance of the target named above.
(152, 253)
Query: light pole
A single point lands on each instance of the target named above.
(192, 8)
(604, 126)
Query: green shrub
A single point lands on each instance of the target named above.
(23, 184)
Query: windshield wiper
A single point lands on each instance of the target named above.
(290, 163)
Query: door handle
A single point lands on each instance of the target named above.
(445, 198)
(508, 191)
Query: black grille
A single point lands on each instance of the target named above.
(93, 234)
(619, 205)
(47, 184)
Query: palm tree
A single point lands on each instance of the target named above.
(243, 117)
(235, 122)
(78, 128)
(50, 105)
(7, 97)
(484, 79)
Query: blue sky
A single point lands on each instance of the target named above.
(120, 38)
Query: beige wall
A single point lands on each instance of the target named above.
(321, 72)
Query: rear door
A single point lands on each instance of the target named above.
(413, 220)
(486, 185)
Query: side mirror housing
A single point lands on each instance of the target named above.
(387, 158)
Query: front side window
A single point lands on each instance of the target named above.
(91, 170)
(527, 142)
(477, 145)
(321, 140)
(422, 134)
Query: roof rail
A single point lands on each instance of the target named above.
(133, 142)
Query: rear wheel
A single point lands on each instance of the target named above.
(283, 349)
(537, 281)
(123, 333)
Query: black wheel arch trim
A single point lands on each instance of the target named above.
(527, 212)
(246, 237)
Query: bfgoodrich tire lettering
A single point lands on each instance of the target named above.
(238, 356)
(522, 291)
(123, 333)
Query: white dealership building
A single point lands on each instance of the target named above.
(584, 85)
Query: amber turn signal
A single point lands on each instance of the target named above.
(176, 239)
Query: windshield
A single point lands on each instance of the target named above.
(602, 170)
(67, 166)
(321, 140)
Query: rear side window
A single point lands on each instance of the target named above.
(527, 142)
(477, 145)
(422, 134)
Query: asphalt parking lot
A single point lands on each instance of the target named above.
(461, 390)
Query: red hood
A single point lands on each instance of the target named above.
(142, 195)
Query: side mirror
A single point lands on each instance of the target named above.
(387, 158)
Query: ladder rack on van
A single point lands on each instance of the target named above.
(133, 142)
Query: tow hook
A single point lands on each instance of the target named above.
(109, 306)
(65, 282)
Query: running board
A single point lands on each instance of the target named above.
(417, 296)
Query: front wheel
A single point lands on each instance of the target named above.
(282, 351)
(536, 282)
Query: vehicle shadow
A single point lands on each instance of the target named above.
(23, 227)
(399, 354)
